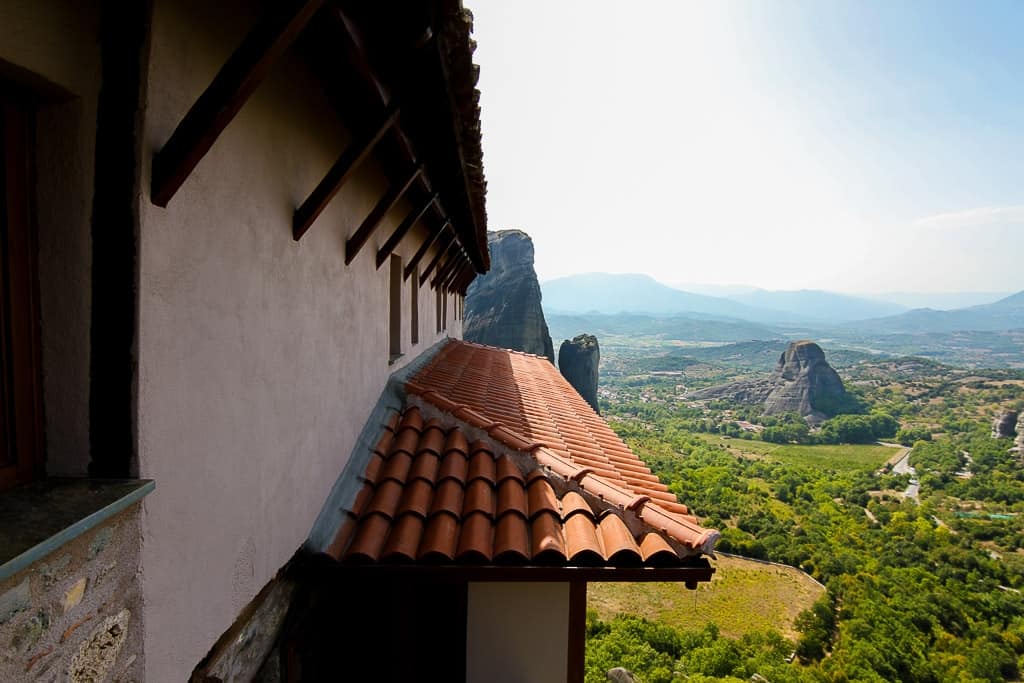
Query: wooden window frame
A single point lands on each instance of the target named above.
(21, 433)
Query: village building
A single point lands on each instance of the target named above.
(241, 437)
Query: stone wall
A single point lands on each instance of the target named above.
(76, 615)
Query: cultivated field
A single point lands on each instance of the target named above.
(835, 457)
(743, 596)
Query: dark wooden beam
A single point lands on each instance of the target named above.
(463, 282)
(342, 170)
(456, 272)
(402, 229)
(447, 254)
(577, 646)
(442, 273)
(698, 571)
(421, 252)
(231, 87)
(442, 250)
(390, 198)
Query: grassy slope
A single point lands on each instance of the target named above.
(743, 596)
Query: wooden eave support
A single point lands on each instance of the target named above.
(442, 273)
(442, 250)
(440, 260)
(402, 229)
(390, 198)
(231, 87)
(463, 282)
(453, 276)
(342, 170)
(695, 572)
(421, 252)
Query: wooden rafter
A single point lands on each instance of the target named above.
(421, 252)
(231, 87)
(390, 198)
(442, 249)
(453, 277)
(341, 171)
(442, 252)
(463, 282)
(402, 229)
(442, 272)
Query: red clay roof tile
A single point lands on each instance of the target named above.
(547, 544)
(511, 539)
(428, 496)
(425, 467)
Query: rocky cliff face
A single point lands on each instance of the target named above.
(503, 307)
(1020, 433)
(578, 360)
(804, 382)
(1005, 425)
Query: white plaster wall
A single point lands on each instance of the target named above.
(517, 633)
(259, 358)
(50, 49)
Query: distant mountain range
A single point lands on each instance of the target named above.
(1005, 314)
(608, 293)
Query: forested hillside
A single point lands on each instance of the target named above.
(923, 562)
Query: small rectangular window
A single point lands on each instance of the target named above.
(437, 306)
(414, 306)
(395, 308)
(444, 310)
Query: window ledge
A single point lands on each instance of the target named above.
(38, 518)
(394, 358)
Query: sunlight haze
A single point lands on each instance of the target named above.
(846, 146)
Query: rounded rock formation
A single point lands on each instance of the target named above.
(804, 382)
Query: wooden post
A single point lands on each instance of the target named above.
(577, 646)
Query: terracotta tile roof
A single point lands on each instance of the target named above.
(523, 402)
(428, 495)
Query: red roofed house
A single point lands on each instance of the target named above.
(239, 435)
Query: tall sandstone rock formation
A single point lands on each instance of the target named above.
(804, 383)
(503, 307)
(578, 360)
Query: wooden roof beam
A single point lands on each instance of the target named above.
(421, 252)
(402, 229)
(370, 223)
(454, 259)
(342, 170)
(454, 276)
(463, 282)
(443, 250)
(231, 87)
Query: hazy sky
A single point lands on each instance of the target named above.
(854, 146)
